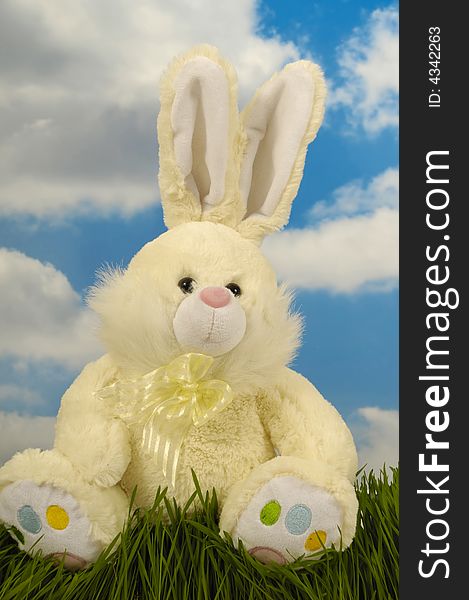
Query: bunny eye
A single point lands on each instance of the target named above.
(186, 284)
(234, 288)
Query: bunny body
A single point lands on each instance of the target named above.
(205, 287)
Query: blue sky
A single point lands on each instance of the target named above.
(78, 165)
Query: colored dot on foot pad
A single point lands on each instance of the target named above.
(28, 519)
(298, 519)
(270, 513)
(57, 517)
(315, 540)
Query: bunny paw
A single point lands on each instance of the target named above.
(288, 518)
(49, 520)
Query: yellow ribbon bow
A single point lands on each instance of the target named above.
(166, 402)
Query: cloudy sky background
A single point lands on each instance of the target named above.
(78, 105)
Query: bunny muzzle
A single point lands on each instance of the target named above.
(210, 321)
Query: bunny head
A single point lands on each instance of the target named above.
(226, 181)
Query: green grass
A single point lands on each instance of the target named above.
(186, 558)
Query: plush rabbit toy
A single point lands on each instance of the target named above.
(198, 337)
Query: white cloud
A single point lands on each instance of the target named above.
(343, 255)
(19, 394)
(369, 69)
(41, 316)
(53, 200)
(18, 432)
(79, 90)
(377, 437)
(357, 197)
(353, 244)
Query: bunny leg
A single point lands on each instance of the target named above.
(57, 512)
(289, 507)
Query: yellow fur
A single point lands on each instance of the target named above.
(254, 227)
(179, 204)
(274, 410)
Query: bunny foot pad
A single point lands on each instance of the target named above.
(51, 521)
(288, 518)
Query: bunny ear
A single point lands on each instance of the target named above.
(197, 125)
(279, 123)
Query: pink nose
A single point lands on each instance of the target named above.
(216, 297)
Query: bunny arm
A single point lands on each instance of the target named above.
(302, 424)
(97, 444)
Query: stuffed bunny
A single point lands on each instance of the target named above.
(198, 336)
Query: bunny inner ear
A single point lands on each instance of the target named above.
(275, 124)
(200, 124)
